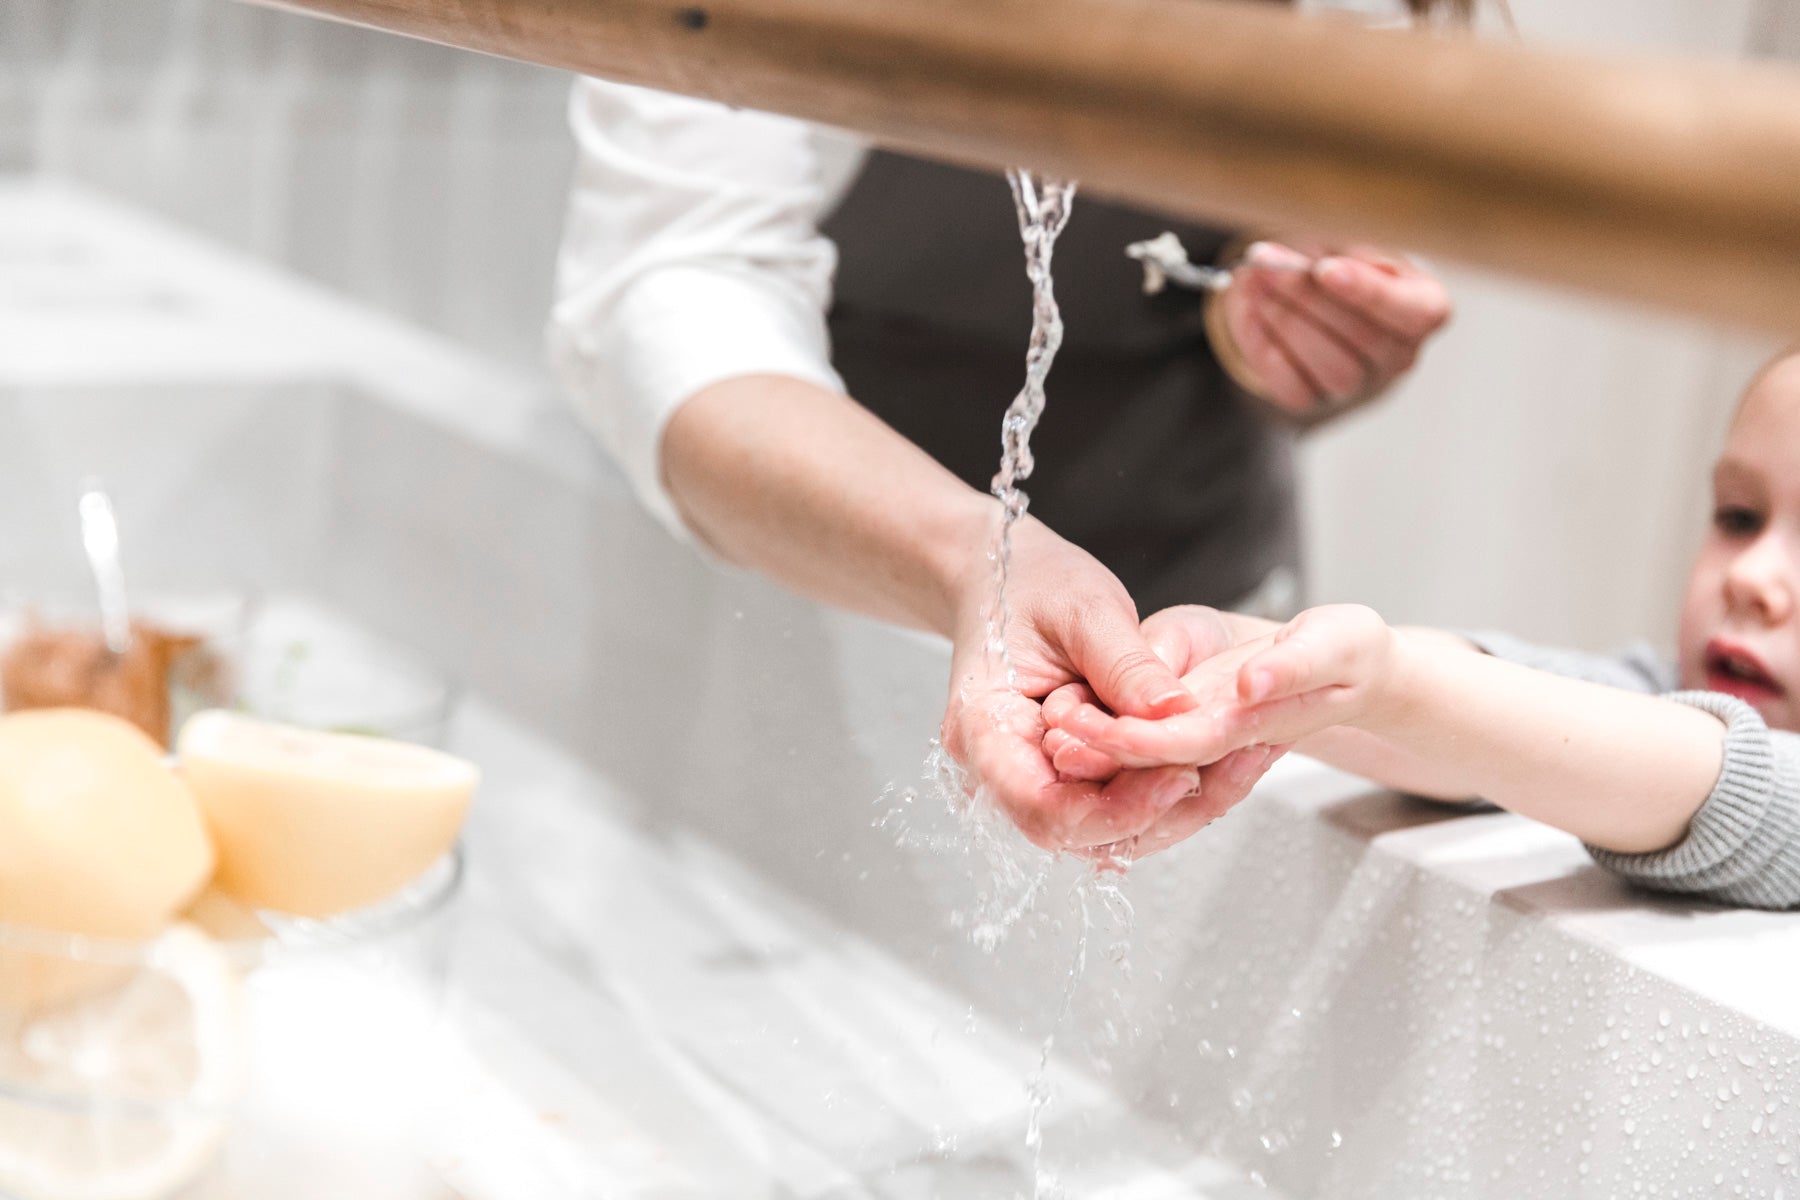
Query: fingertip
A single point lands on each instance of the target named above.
(1182, 783)
(1339, 275)
(1169, 703)
(1246, 766)
(1275, 256)
(1084, 721)
(1083, 764)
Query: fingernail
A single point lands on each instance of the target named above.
(1176, 700)
(1262, 682)
(1188, 785)
(1268, 254)
(1248, 766)
(1334, 272)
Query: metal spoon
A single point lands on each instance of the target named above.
(100, 538)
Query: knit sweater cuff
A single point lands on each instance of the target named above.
(1724, 836)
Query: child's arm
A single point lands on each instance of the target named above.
(1428, 712)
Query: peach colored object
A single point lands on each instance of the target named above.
(97, 836)
(315, 823)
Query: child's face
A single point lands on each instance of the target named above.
(1740, 633)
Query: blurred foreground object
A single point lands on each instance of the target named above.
(124, 1092)
(314, 823)
(99, 836)
(1671, 183)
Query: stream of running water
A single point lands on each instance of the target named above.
(1043, 206)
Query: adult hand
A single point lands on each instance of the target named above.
(1070, 620)
(1315, 334)
(1187, 638)
(1332, 665)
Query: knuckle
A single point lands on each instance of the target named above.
(1131, 668)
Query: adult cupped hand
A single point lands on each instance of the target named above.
(1070, 621)
(1188, 639)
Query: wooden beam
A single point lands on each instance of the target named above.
(1671, 183)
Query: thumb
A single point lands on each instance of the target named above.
(1112, 655)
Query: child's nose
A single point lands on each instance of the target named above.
(1762, 579)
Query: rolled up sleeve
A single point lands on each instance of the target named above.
(1743, 845)
(691, 255)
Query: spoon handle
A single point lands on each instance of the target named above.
(100, 538)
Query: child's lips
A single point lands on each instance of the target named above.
(1734, 670)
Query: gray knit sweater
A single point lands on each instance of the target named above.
(1743, 846)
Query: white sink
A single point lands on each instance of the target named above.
(690, 942)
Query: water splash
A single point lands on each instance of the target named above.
(1102, 886)
(1009, 874)
(945, 814)
(1043, 205)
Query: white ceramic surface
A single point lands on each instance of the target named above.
(691, 947)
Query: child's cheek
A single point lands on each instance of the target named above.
(1700, 613)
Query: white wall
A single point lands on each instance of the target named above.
(1545, 469)
(425, 180)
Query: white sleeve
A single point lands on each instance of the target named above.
(691, 254)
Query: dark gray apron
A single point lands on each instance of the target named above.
(1147, 456)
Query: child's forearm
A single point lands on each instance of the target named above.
(1617, 769)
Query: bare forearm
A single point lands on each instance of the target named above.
(804, 485)
(1615, 768)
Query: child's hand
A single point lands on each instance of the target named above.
(1183, 637)
(1326, 667)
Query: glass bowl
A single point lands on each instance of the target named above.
(187, 1064)
(345, 684)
